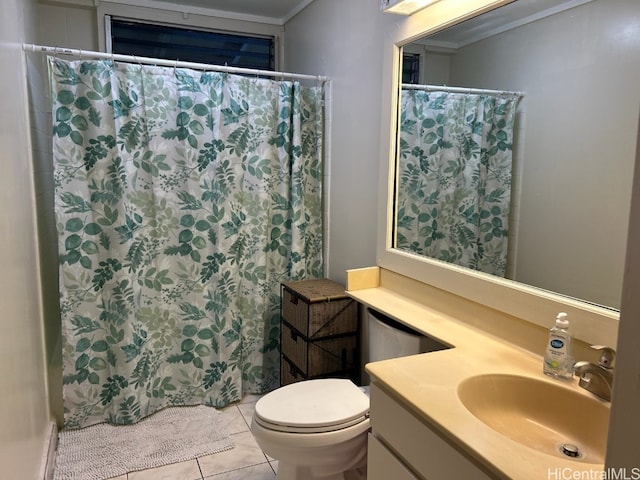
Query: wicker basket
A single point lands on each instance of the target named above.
(318, 308)
(322, 356)
(289, 373)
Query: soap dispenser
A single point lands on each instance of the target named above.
(558, 357)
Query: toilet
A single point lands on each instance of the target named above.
(317, 429)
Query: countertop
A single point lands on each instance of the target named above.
(427, 384)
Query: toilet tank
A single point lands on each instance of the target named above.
(389, 338)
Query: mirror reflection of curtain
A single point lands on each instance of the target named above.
(454, 177)
(182, 200)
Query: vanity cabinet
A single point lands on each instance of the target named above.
(404, 447)
(319, 334)
(382, 464)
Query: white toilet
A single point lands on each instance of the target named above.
(317, 429)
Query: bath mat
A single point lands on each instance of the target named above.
(175, 434)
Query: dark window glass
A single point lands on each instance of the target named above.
(410, 68)
(177, 43)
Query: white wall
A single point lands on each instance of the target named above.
(344, 41)
(71, 27)
(24, 411)
(580, 78)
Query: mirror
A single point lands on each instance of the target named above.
(577, 64)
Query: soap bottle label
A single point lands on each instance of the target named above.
(557, 351)
(556, 358)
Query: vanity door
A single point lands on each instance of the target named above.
(383, 465)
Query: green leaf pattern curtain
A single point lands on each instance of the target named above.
(182, 199)
(454, 177)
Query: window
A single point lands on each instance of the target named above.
(410, 68)
(129, 37)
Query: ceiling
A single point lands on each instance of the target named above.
(272, 11)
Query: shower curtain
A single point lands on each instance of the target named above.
(182, 199)
(454, 177)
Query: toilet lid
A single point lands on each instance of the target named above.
(313, 406)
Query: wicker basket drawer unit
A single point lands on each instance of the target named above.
(289, 373)
(319, 331)
(322, 356)
(318, 308)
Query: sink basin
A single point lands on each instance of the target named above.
(548, 417)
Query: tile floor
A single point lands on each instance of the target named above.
(246, 461)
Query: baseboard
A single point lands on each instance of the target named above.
(49, 454)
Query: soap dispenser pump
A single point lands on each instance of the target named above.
(558, 357)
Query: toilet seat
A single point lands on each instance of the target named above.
(313, 406)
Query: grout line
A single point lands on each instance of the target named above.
(243, 419)
(234, 470)
(200, 468)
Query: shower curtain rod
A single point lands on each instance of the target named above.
(444, 88)
(28, 47)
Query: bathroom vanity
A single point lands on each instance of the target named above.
(401, 444)
(481, 409)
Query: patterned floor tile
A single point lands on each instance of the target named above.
(245, 454)
(247, 409)
(233, 420)
(251, 398)
(257, 472)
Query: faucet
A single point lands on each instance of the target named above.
(597, 379)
